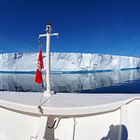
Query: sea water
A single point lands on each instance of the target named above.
(125, 81)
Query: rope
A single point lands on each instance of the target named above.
(39, 42)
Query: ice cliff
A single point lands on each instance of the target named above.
(67, 62)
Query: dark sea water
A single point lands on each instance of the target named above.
(126, 81)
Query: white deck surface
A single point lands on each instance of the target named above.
(65, 104)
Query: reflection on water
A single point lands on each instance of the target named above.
(90, 82)
(18, 82)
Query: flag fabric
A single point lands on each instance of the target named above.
(40, 66)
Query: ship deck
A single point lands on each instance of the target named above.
(64, 104)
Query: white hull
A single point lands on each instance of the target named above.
(78, 117)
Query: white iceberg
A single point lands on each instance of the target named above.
(63, 62)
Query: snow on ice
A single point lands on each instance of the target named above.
(63, 62)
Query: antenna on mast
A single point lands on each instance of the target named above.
(48, 35)
(49, 27)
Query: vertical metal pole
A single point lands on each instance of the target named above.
(48, 64)
(48, 58)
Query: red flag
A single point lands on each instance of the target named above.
(40, 66)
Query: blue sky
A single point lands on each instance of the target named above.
(87, 26)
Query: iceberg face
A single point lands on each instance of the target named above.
(18, 61)
(63, 62)
(84, 62)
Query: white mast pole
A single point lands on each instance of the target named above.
(48, 57)
(48, 63)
